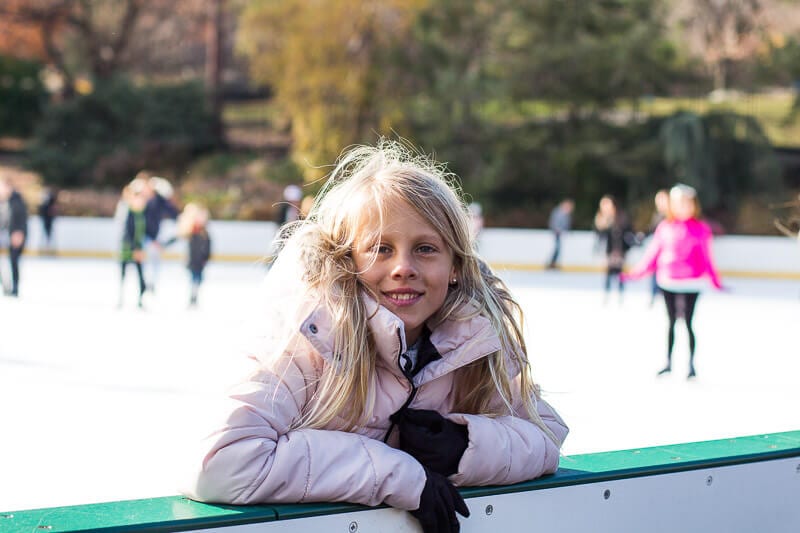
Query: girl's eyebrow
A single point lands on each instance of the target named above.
(433, 238)
(429, 237)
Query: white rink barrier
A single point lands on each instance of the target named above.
(740, 485)
(523, 249)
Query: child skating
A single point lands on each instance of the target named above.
(192, 226)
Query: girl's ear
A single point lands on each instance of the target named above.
(453, 278)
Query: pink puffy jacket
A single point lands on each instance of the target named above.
(254, 456)
(679, 251)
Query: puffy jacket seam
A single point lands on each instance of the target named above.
(372, 466)
(308, 470)
(547, 457)
(509, 440)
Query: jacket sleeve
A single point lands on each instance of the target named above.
(509, 449)
(710, 266)
(256, 458)
(647, 264)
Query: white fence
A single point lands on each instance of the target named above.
(511, 248)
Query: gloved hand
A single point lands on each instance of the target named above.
(434, 441)
(438, 505)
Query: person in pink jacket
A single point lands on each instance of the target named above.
(390, 366)
(680, 255)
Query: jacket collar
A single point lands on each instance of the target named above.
(460, 340)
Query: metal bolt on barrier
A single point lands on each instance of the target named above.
(12, 516)
(489, 510)
(709, 480)
(44, 527)
(606, 494)
(353, 527)
(798, 469)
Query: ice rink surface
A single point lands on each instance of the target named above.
(97, 403)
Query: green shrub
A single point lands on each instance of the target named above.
(22, 96)
(105, 137)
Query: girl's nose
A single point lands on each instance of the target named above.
(404, 267)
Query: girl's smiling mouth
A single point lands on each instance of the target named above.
(402, 297)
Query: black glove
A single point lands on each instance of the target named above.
(434, 441)
(438, 505)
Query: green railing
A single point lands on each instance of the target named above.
(180, 514)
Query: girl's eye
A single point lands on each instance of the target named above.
(382, 249)
(426, 249)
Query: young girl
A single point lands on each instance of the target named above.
(192, 226)
(680, 255)
(392, 365)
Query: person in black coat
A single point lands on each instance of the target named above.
(193, 226)
(47, 214)
(614, 228)
(159, 207)
(17, 230)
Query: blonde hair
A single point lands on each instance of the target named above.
(192, 216)
(382, 176)
(679, 192)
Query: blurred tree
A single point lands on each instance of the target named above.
(79, 36)
(470, 64)
(17, 38)
(324, 61)
(103, 138)
(725, 156)
(588, 55)
(86, 42)
(689, 155)
(726, 31)
(22, 96)
(214, 44)
(781, 64)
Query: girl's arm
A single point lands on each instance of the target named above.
(509, 449)
(255, 458)
(710, 266)
(647, 264)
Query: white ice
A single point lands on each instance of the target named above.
(97, 404)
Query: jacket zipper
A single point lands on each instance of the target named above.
(411, 395)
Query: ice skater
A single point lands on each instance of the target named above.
(559, 223)
(661, 204)
(193, 226)
(17, 227)
(132, 205)
(47, 214)
(390, 367)
(615, 232)
(680, 255)
(159, 206)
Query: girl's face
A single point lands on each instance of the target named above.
(607, 206)
(413, 266)
(683, 207)
(138, 201)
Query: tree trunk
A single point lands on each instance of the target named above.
(214, 68)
